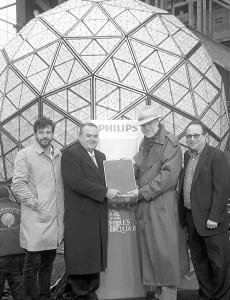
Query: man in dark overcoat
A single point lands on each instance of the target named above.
(86, 213)
(204, 191)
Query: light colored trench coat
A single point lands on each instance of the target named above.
(37, 184)
(157, 215)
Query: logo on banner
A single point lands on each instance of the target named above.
(118, 224)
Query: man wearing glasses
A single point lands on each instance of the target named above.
(203, 197)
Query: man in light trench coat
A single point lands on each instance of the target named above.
(37, 184)
(158, 165)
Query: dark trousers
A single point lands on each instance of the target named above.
(37, 274)
(84, 286)
(11, 268)
(210, 257)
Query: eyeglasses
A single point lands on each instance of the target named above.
(196, 136)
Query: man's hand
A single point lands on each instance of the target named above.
(211, 224)
(133, 194)
(112, 193)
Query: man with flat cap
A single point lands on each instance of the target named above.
(158, 165)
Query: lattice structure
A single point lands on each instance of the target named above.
(94, 59)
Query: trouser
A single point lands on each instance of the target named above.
(37, 274)
(84, 286)
(11, 268)
(210, 257)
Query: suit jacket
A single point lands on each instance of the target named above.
(210, 191)
(86, 211)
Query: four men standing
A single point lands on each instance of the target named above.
(204, 191)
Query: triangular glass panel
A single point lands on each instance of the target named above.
(109, 29)
(123, 68)
(157, 31)
(123, 53)
(170, 46)
(201, 105)
(63, 56)
(64, 70)
(168, 121)
(51, 113)
(181, 123)
(26, 96)
(48, 53)
(38, 79)
(185, 41)
(12, 81)
(80, 30)
(127, 97)
(79, 44)
(178, 91)
(31, 113)
(93, 61)
(103, 89)
(108, 44)
(7, 143)
(201, 60)
(14, 95)
(75, 102)
(37, 65)
(13, 127)
(126, 21)
(201, 90)
(73, 132)
(223, 107)
(113, 10)
(143, 35)
(151, 77)
(83, 114)
(159, 109)
(59, 99)
(61, 21)
(214, 76)
(60, 132)
(216, 106)
(186, 104)
(2, 62)
(216, 128)
(109, 71)
(40, 35)
(133, 80)
(209, 118)
(24, 49)
(82, 90)
(172, 28)
(103, 113)
(141, 15)
(12, 47)
(77, 72)
(95, 20)
(168, 61)
(23, 65)
(224, 124)
(164, 92)
(112, 101)
(194, 76)
(54, 82)
(154, 63)
(181, 76)
(141, 51)
(211, 91)
(93, 49)
(26, 129)
(3, 80)
(80, 10)
(174, 20)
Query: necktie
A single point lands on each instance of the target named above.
(94, 159)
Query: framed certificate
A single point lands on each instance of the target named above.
(119, 174)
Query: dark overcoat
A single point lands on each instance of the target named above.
(86, 211)
(209, 191)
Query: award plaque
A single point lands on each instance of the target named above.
(119, 174)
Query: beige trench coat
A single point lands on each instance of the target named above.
(157, 215)
(37, 184)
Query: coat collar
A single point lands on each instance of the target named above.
(40, 150)
(98, 170)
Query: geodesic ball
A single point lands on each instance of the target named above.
(92, 59)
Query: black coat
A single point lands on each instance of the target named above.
(210, 191)
(86, 211)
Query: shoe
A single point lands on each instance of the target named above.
(92, 296)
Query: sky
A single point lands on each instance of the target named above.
(7, 31)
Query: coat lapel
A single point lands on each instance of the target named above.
(201, 162)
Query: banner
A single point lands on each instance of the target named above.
(122, 279)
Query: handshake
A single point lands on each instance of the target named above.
(114, 196)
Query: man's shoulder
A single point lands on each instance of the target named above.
(99, 152)
(172, 138)
(26, 151)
